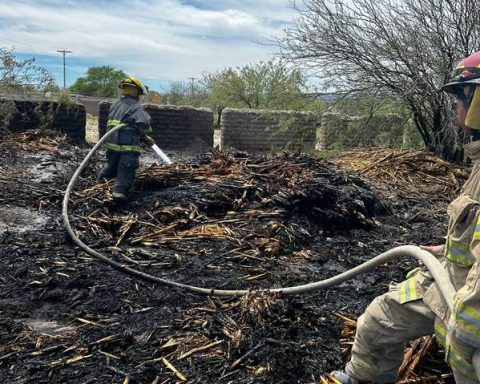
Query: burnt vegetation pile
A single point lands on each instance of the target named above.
(223, 220)
(230, 214)
(35, 140)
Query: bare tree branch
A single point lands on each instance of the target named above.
(400, 48)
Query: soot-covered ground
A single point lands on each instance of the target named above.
(222, 220)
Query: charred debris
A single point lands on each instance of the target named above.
(221, 220)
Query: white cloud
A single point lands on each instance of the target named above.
(163, 39)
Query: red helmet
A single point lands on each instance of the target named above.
(467, 72)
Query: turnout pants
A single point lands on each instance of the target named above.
(388, 324)
(122, 166)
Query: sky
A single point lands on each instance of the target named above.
(158, 41)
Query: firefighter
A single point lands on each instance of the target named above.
(123, 147)
(415, 307)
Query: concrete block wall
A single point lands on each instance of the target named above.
(339, 131)
(179, 128)
(26, 114)
(103, 109)
(264, 130)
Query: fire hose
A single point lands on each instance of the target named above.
(430, 261)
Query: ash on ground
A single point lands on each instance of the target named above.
(222, 220)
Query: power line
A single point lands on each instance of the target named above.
(64, 52)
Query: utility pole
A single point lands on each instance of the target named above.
(64, 52)
(192, 84)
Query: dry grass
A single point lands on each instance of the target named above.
(216, 138)
(418, 172)
(91, 133)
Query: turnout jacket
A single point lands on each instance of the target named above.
(127, 110)
(463, 255)
(458, 331)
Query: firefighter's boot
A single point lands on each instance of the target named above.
(344, 378)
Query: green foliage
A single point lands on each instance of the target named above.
(100, 81)
(20, 76)
(192, 93)
(52, 89)
(264, 85)
(366, 119)
(63, 98)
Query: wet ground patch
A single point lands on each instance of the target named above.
(18, 219)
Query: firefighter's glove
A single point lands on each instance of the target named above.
(149, 141)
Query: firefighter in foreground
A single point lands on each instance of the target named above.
(123, 147)
(415, 307)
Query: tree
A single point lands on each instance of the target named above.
(100, 81)
(176, 93)
(18, 76)
(390, 48)
(268, 85)
(182, 93)
(264, 85)
(218, 91)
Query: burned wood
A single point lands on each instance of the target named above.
(244, 357)
(35, 140)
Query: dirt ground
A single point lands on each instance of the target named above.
(222, 220)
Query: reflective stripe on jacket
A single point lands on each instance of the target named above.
(127, 110)
(454, 351)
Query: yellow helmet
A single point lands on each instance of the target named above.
(132, 82)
